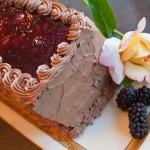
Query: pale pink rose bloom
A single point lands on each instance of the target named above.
(121, 60)
(137, 60)
(110, 57)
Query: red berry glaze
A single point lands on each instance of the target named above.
(28, 40)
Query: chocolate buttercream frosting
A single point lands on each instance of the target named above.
(71, 91)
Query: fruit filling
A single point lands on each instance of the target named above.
(28, 40)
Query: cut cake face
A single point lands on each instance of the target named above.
(49, 65)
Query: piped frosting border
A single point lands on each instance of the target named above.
(23, 85)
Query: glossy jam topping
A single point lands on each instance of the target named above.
(28, 40)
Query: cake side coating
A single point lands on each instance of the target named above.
(77, 94)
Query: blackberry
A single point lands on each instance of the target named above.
(143, 95)
(126, 97)
(138, 120)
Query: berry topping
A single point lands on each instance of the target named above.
(126, 97)
(138, 120)
(28, 40)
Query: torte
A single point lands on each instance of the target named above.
(49, 70)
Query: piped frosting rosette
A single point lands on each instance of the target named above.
(4, 68)
(27, 88)
(10, 76)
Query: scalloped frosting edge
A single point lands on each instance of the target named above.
(22, 85)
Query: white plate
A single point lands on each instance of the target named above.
(110, 131)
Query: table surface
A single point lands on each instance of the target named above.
(128, 14)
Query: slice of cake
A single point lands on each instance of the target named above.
(49, 70)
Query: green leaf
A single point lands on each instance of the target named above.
(103, 16)
(86, 2)
(127, 82)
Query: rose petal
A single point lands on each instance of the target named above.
(146, 65)
(112, 44)
(141, 25)
(145, 39)
(109, 53)
(126, 40)
(128, 36)
(136, 72)
(138, 61)
(110, 57)
(117, 74)
(127, 55)
(148, 79)
(131, 49)
(141, 50)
